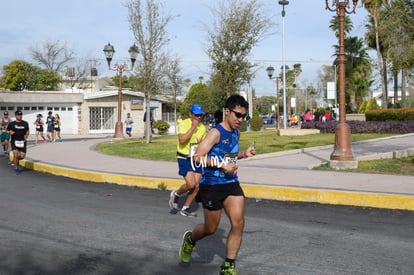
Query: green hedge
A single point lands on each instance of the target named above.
(403, 114)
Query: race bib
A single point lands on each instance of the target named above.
(230, 158)
(56, 126)
(37, 126)
(19, 143)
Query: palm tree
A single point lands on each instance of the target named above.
(358, 70)
(357, 57)
(397, 24)
(374, 8)
(334, 25)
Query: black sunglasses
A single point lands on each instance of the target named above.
(239, 115)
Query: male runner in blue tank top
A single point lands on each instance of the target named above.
(219, 188)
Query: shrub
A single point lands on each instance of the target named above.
(162, 126)
(372, 105)
(256, 123)
(362, 107)
(402, 114)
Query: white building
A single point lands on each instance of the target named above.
(83, 109)
(378, 96)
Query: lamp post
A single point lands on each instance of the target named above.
(342, 150)
(270, 70)
(120, 68)
(284, 3)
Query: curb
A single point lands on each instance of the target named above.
(322, 196)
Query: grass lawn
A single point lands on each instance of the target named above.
(164, 148)
(401, 166)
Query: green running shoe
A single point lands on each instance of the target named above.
(186, 248)
(228, 269)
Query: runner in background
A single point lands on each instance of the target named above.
(19, 132)
(191, 131)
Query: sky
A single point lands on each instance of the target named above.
(87, 26)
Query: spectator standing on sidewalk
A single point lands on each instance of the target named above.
(128, 124)
(191, 131)
(307, 116)
(219, 186)
(50, 122)
(328, 115)
(317, 115)
(4, 134)
(19, 132)
(39, 128)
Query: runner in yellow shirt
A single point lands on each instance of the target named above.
(191, 131)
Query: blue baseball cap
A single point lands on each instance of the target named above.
(197, 109)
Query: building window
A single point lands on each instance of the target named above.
(101, 119)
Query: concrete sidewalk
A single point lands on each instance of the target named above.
(278, 176)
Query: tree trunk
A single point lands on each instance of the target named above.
(395, 87)
(384, 85)
(381, 66)
(148, 130)
(403, 88)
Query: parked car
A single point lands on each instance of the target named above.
(269, 119)
(266, 119)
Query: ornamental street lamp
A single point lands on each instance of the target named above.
(284, 3)
(342, 150)
(120, 68)
(270, 70)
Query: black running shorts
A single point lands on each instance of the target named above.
(213, 196)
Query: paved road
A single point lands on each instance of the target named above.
(280, 176)
(57, 225)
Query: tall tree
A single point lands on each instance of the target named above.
(397, 25)
(53, 55)
(19, 75)
(175, 81)
(358, 66)
(334, 25)
(200, 94)
(374, 8)
(149, 26)
(358, 72)
(238, 27)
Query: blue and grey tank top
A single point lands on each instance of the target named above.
(226, 150)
